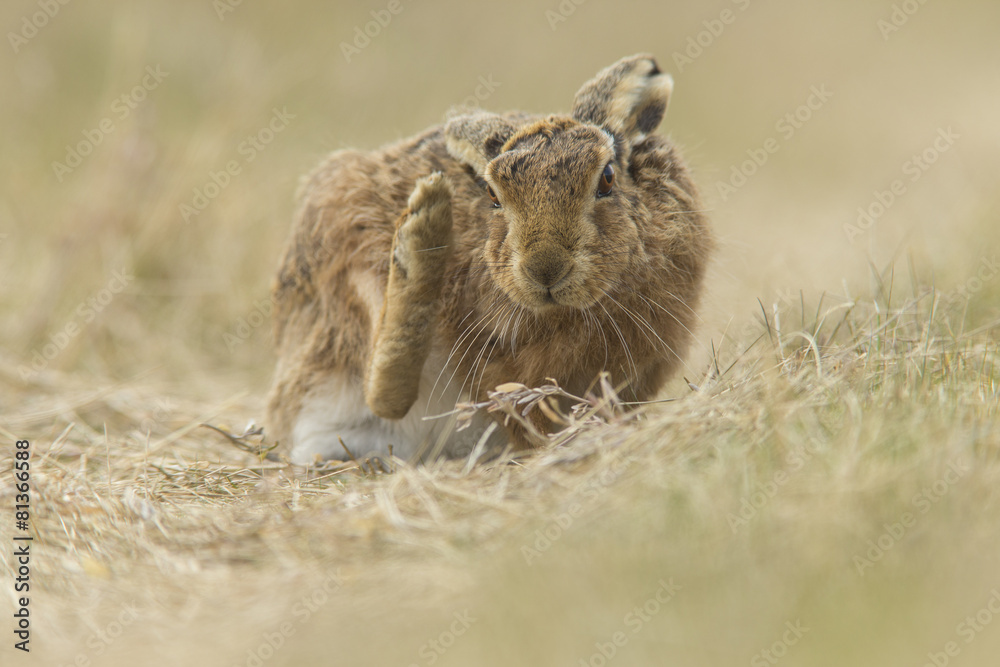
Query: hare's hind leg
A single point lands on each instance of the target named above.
(335, 423)
(420, 251)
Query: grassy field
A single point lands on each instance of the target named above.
(821, 488)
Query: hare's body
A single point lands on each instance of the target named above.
(476, 254)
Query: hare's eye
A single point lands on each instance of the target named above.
(606, 182)
(493, 197)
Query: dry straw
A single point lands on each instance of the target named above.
(775, 470)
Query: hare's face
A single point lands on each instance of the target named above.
(563, 227)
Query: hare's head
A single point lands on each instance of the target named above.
(566, 213)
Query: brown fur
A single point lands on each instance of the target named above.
(366, 290)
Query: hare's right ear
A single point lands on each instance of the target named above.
(476, 138)
(628, 98)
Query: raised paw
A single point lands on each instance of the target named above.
(430, 191)
(423, 237)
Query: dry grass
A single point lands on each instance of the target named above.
(836, 387)
(217, 545)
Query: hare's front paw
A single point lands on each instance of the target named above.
(424, 233)
(420, 252)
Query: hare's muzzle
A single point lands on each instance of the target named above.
(546, 267)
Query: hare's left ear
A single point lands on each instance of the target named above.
(628, 98)
(476, 138)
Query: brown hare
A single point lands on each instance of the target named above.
(495, 248)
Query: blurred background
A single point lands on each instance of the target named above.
(149, 156)
(121, 118)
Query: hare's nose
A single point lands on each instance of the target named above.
(546, 269)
